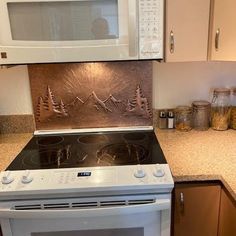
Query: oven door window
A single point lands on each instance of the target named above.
(141, 224)
(100, 232)
(64, 20)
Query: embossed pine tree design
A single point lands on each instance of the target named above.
(40, 109)
(50, 103)
(139, 105)
(48, 108)
(63, 110)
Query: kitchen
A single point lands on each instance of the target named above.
(190, 155)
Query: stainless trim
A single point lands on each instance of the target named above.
(182, 202)
(217, 38)
(172, 42)
(90, 130)
(133, 44)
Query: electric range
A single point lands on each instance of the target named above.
(95, 183)
(108, 162)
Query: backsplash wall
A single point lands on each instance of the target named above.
(174, 83)
(91, 95)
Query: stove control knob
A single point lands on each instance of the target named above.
(7, 178)
(26, 178)
(139, 172)
(159, 172)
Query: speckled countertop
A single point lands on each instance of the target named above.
(209, 155)
(10, 146)
(196, 155)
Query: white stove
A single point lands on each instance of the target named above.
(119, 184)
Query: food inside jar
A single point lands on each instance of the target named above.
(233, 117)
(220, 118)
(183, 127)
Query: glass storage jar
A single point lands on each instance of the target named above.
(201, 115)
(233, 110)
(183, 118)
(220, 109)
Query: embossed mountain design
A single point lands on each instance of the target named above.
(76, 101)
(49, 108)
(106, 105)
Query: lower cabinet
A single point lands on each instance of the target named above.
(196, 209)
(227, 219)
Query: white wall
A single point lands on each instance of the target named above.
(174, 84)
(15, 95)
(181, 83)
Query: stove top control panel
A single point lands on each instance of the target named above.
(122, 177)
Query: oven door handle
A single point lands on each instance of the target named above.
(158, 205)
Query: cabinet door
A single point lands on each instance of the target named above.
(227, 222)
(187, 24)
(223, 35)
(196, 210)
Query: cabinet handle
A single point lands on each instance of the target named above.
(182, 202)
(172, 42)
(217, 37)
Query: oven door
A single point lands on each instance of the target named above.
(68, 30)
(112, 218)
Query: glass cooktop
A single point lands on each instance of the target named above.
(89, 150)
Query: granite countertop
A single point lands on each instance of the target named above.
(10, 146)
(201, 155)
(192, 156)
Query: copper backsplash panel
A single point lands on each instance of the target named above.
(91, 95)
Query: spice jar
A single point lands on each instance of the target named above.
(233, 110)
(201, 115)
(220, 110)
(183, 118)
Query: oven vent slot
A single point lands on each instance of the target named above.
(56, 206)
(28, 207)
(141, 201)
(84, 204)
(112, 203)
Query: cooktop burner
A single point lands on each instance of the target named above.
(49, 141)
(122, 154)
(88, 150)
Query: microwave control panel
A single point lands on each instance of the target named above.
(151, 27)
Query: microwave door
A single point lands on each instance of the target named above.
(34, 31)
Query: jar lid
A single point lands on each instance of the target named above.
(183, 109)
(224, 91)
(201, 104)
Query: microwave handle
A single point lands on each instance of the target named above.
(158, 205)
(132, 18)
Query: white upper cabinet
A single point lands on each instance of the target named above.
(187, 27)
(223, 34)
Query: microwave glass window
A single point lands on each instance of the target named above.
(99, 232)
(64, 20)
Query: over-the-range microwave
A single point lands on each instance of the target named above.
(41, 31)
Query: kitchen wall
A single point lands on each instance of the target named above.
(181, 83)
(15, 95)
(174, 84)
